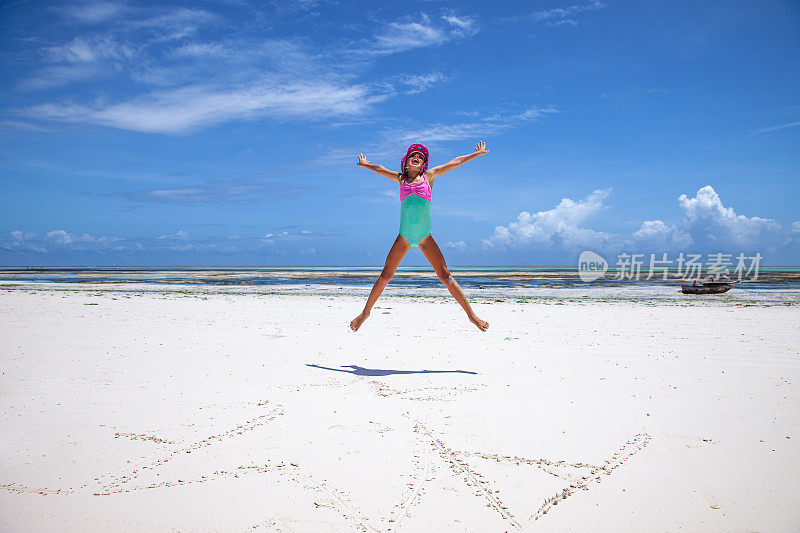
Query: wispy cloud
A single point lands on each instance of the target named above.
(91, 12)
(26, 126)
(82, 58)
(180, 234)
(422, 82)
(271, 239)
(407, 34)
(468, 130)
(88, 50)
(214, 192)
(388, 144)
(57, 75)
(132, 39)
(190, 108)
(464, 23)
(205, 82)
(25, 243)
(775, 127)
(64, 243)
(560, 15)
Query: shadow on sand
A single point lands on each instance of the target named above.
(361, 371)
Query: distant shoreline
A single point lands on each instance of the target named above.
(544, 290)
(769, 278)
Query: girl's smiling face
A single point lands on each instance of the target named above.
(415, 159)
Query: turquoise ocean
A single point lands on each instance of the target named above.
(769, 284)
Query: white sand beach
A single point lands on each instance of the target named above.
(133, 410)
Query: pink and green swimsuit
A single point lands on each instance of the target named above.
(415, 211)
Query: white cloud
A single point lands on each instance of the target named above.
(91, 239)
(658, 236)
(22, 241)
(64, 238)
(455, 245)
(711, 223)
(19, 236)
(60, 236)
(707, 226)
(792, 239)
(559, 227)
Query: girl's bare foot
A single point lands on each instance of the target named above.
(357, 321)
(482, 324)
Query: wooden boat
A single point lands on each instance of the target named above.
(708, 287)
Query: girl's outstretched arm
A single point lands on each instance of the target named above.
(480, 149)
(383, 171)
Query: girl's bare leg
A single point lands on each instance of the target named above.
(436, 259)
(396, 254)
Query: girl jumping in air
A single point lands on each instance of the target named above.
(416, 181)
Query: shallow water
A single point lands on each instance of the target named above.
(773, 284)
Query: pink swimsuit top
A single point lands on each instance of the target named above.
(422, 189)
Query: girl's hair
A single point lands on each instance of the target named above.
(403, 176)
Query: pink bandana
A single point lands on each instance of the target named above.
(415, 148)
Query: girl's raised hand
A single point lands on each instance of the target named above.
(481, 148)
(362, 160)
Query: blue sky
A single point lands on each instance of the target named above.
(226, 132)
